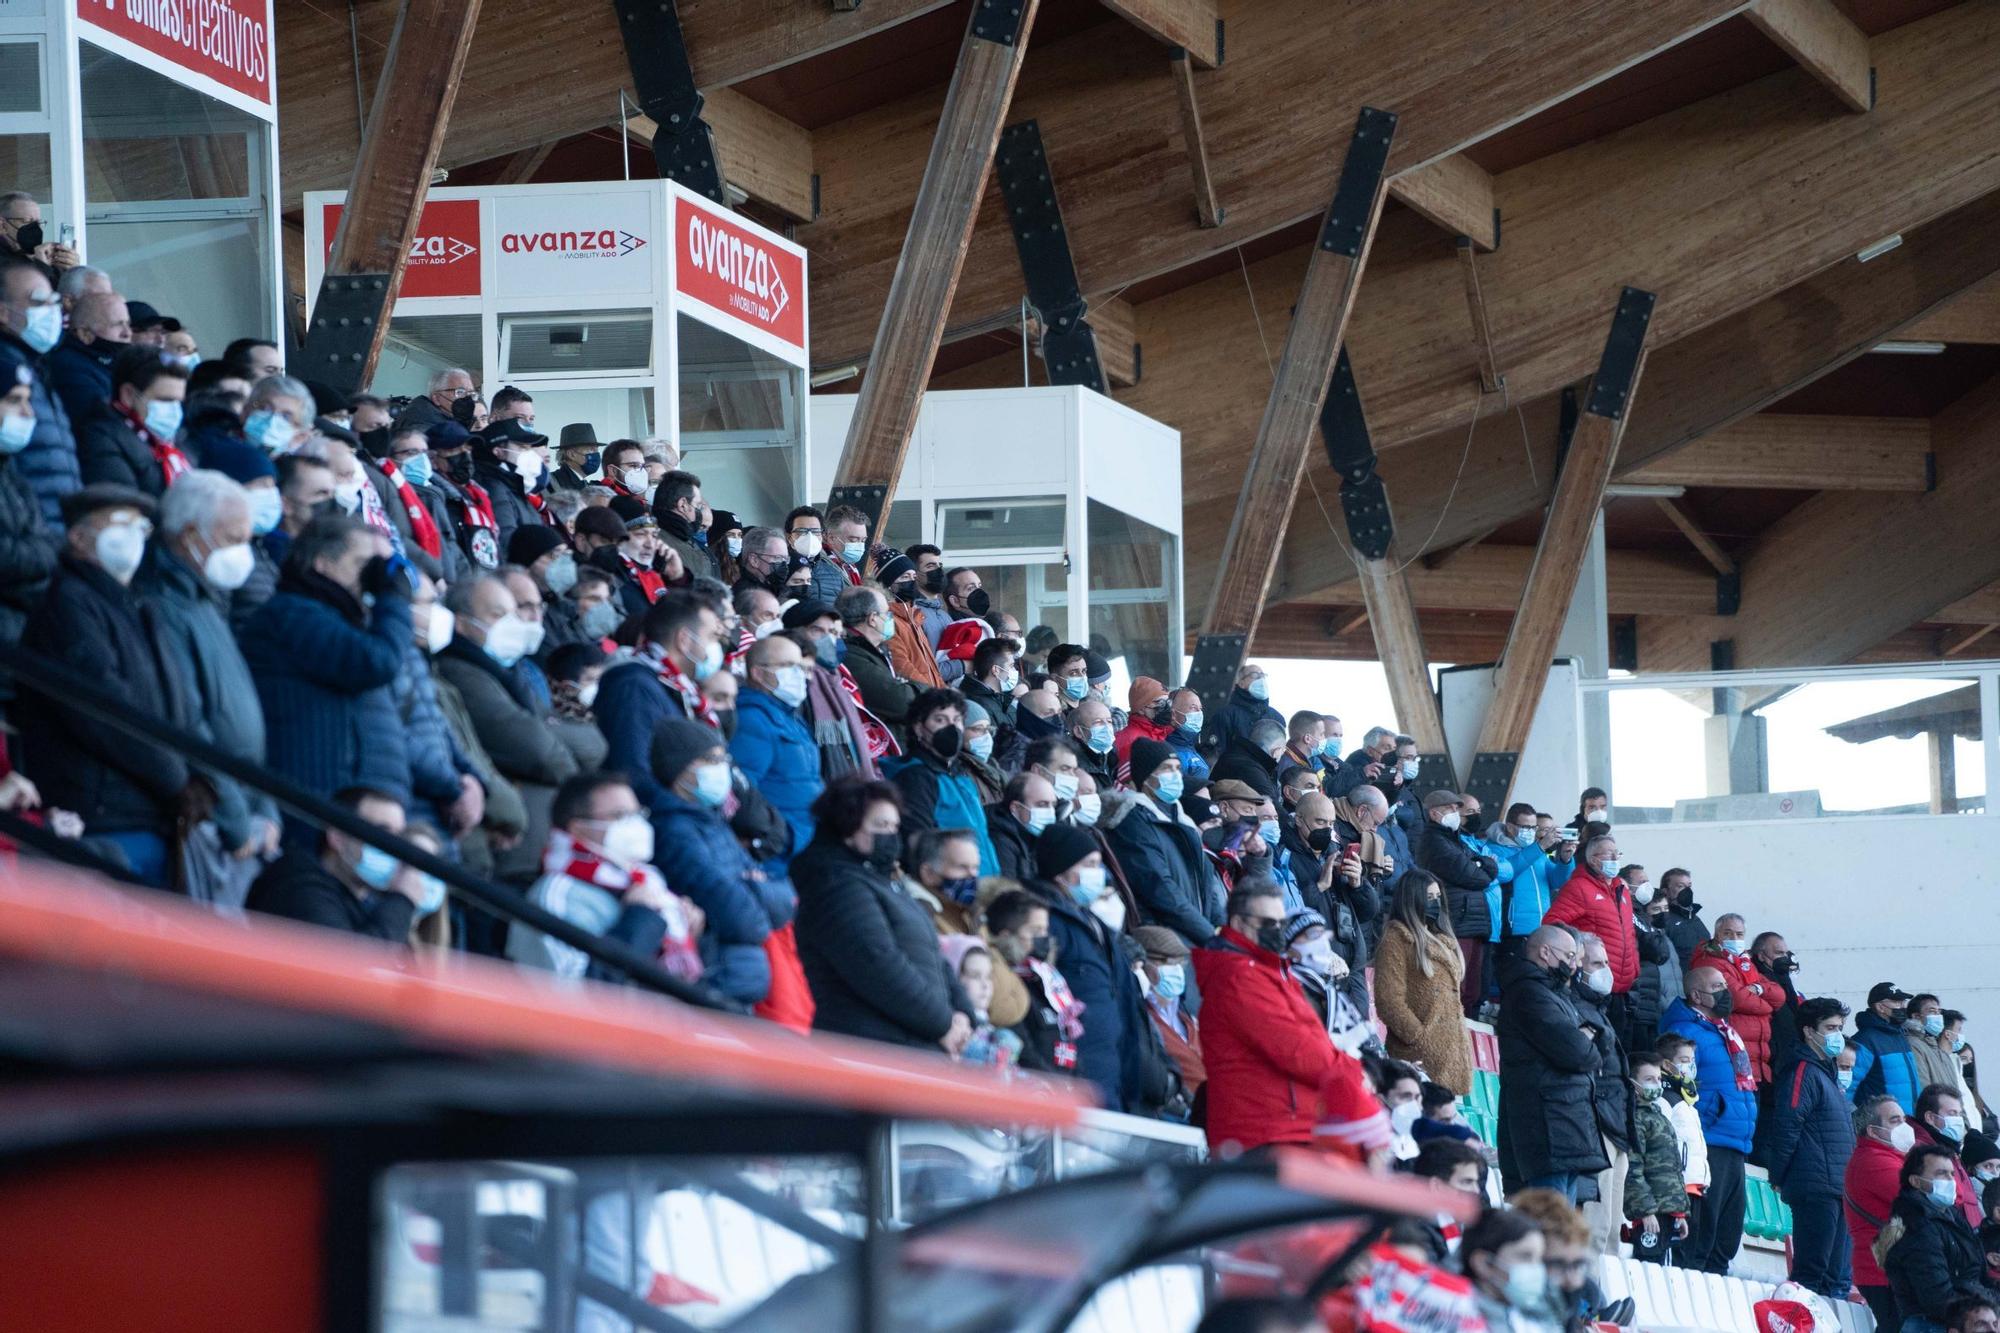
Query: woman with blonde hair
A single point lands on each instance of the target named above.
(1418, 968)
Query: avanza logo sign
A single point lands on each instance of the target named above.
(444, 254)
(439, 250)
(598, 243)
(734, 270)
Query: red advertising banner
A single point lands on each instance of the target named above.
(444, 254)
(721, 263)
(227, 40)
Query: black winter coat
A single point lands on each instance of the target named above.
(1238, 714)
(1011, 843)
(27, 555)
(1808, 1133)
(1169, 872)
(298, 887)
(110, 451)
(511, 509)
(1646, 1003)
(1685, 928)
(1088, 956)
(870, 952)
(1548, 1066)
(1241, 761)
(1463, 876)
(92, 625)
(1350, 915)
(1610, 1094)
(1938, 1260)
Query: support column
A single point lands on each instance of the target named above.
(385, 198)
(1586, 636)
(1298, 392)
(906, 342)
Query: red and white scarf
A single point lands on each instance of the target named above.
(172, 462)
(650, 581)
(693, 702)
(566, 856)
(1068, 1009)
(421, 526)
(881, 742)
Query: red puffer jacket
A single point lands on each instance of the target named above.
(1274, 1076)
(1603, 907)
(1755, 1000)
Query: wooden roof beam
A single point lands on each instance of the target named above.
(1973, 318)
(1454, 193)
(1776, 451)
(761, 153)
(1189, 25)
(1493, 578)
(1844, 571)
(1454, 74)
(1825, 42)
(1701, 541)
(1207, 208)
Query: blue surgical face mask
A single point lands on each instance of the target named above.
(1076, 687)
(1944, 1192)
(599, 621)
(980, 747)
(1101, 738)
(376, 868)
(1330, 747)
(44, 326)
(417, 470)
(1192, 726)
(1267, 829)
(1527, 1286)
(433, 898)
(269, 431)
(790, 686)
(1833, 1043)
(1736, 946)
(1168, 786)
(1607, 868)
(1845, 1077)
(163, 418)
(734, 545)
(710, 663)
(266, 508)
(711, 784)
(1172, 981)
(1089, 884)
(1039, 818)
(560, 575)
(1259, 688)
(15, 432)
(853, 551)
(1411, 767)
(1957, 1044)
(1933, 1024)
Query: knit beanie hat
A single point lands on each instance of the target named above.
(1146, 756)
(679, 743)
(529, 544)
(1060, 847)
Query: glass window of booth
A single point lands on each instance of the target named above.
(417, 347)
(177, 199)
(740, 421)
(1134, 569)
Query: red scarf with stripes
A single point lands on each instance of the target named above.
(566, 856)
(421, 526)
(693, 702)
(172, 462)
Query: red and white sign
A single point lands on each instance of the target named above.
(732, 269)
(228, 41)
(444, 254)
(583, 244)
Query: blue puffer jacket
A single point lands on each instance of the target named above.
(937, 796)
(774, 750)
(1525, 901)
(48, 465)
(328, 689)
(702, 860)
(1194, 768)
(1811, 1134)
(1728, 1113)
(631, 704)
(1883, 1062)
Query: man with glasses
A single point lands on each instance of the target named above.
(445, 388)
(31, 324)
(805, 534)
(1273, 1077)
(22, 237)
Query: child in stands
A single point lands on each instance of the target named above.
(1655, 1188)
(1677, 1086)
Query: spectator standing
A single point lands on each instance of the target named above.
(1085, 920)
(1248, 704)
(1883, 1061)
(1681, 1090)
(128, 791)
(1683, 923)
(1939, 1259)
(1940, 1121)
(870, 952)
(937, 791)
(1548, 1125)
(741, 904)
(805, 533)
(1273, 1077)
(30, 325)
(1610, 1092)
(1660, 966)
(1775, 965)
(869, 627)
(773, 749)
(79, 367)
(1538, 874)
(1595, 899)
(1166, 964)
(1752, 1002)
(1728, 1107)
(1418, 968)
(1656, 1197)
(1331, 882)
(910, 651)
(1161, 850)
(1470, 886)
(1869, 1189)
(1810, 1140)
(680, 647)
(1930, 1043)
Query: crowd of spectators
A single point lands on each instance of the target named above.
(839, 785)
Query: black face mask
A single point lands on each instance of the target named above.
(589, 463)
(906, 592)
(1433, 908)
(884, 850)
(1722, 1004)
(29, 236)
(934, 581)
(1561, 973)
(376, 441)
(1040, 948)
(725, 718)
(1271, 935)
(463, 410)
(1472, 823)
(1320, 840)
(326, 507)
(459, 467)
(977, 602)
(945, 742)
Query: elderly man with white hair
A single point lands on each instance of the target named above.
(199, 555)
(446, 387)
(277, 413)
(82, 281)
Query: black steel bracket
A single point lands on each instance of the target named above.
(1434, 773)
(663, 79)
(1611, 389)
(342, 329)
(1354, 199)
(1492, 774)
(1343, 425)
(998, 21)
(1034, 214)
(1212, 674)
(1729, 593)
(868, 499)
(1625, 644)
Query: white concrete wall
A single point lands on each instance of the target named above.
(1913, 900)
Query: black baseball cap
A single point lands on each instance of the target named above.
(1886, 990)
